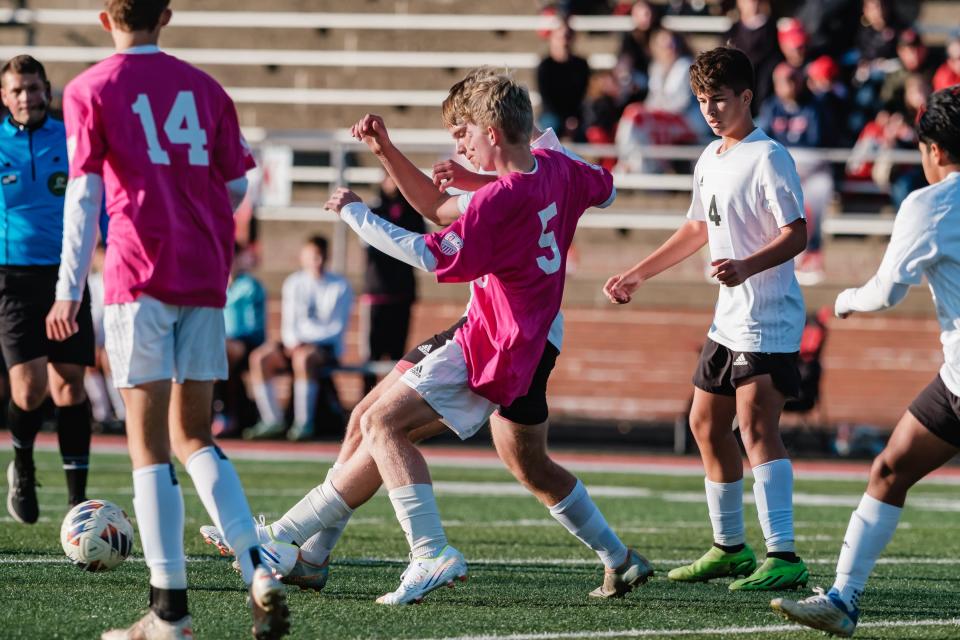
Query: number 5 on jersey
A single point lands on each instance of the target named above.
(182, 126)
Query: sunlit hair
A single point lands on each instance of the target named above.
(452, 111)
(502, 103)
(722, 67)
(136, 15)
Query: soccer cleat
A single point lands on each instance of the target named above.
(307, 575)
(300, 432)
(772, 575)
(424, 575)
(268, 602)
(823, 611)
(279, 556)
(22, 493)
(153, 627)
(211, 535)
(264, 431)
(635, 571)
(716, 563)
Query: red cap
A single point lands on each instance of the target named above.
(790, 32)
(824, 69)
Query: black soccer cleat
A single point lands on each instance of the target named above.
(22, 493)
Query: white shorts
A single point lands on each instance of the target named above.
(148, 341)
(441, 380)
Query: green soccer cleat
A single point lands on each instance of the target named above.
(264, 431)
(716, 563)
(774, 574)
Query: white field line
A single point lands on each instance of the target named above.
(494, 562)
(683, 469)
(715, 631)
(512, 489)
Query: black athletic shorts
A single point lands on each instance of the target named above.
(531, 408)
(389, 324)
(422, 350)
(721, 370)
(26, 295)
(938, 410)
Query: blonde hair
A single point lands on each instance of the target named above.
(453, 109)
(502, 103)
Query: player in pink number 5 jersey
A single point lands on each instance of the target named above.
(162, 140)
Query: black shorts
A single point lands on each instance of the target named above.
(26, 295)
(938, 410)
(531, 408)
(388, 325)
(422, 350)
(721, 370)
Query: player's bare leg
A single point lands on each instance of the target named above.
(523, 449)
(711, 420)
(912, 452)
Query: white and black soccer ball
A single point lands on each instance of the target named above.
(96, 535)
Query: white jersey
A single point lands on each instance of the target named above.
(926, 241)
(315, 310)
(745, 195)
(547, 140)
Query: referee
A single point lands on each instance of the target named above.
(33, 180)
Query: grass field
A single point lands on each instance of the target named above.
(528, 577)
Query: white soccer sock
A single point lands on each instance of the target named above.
(158, 505)
(725, 504)
(222, 495)
(96, 390)
(266, 398)
(317, 548)
(580, 516)
(320, 509)
(773, 491)
(416, 509)
(870, 530)
(304, 400)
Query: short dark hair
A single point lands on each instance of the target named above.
(721, 67)
(320, 242)
(137, 15)
(22, 65)
(939, 121)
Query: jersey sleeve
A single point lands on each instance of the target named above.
(467, 249)
(232, 156)
(780, 192)
(599, 184)
(696, 212)
(86, 139)
(913, 245)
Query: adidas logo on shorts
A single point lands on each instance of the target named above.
(417, 371)
(740, 361)
(425, 349)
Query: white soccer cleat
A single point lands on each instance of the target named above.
(424, 575)
(280, 556)
(211, 535)
(152, 627)
(268, 603)
(823, 611)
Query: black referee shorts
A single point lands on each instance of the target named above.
(26, 295)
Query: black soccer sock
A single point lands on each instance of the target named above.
(73, 432)
(24, 426)
(168, 604)
(730, 548)
(789, 556)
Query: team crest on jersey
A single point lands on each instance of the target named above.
(10, 178)
(57, 183)
(451, 243)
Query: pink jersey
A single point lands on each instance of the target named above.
(514, 237)
(165, 138)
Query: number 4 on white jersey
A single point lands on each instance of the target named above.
(182, 126)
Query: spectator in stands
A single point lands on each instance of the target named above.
(245, 319)
(634, 56)
(874, 45)
(670, 81)
(314, 317)
(833, 98)
(949, 72)
(389, 287)
(831, 24)
(755, 33)
(562, 79)
(912, 57)
(792, 39)
(793, 118)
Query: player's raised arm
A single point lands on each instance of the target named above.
(418, 189)
(83, 200)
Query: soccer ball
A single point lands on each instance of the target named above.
(96, 535)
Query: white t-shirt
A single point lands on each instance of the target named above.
(315, 310)
(926, 242)
(745, 195)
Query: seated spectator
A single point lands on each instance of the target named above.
(634, 55)
(793, 118)
(875, 45)
(831, 25)
(793, 42)
(876, 37)
(670, 80)
(245, 321)
(601, 112)
(755, 33)
(314, 317)
(562, 80)
(948, 74)
(833, 99)
(389, 287)
(912, 58)
(105, 402)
